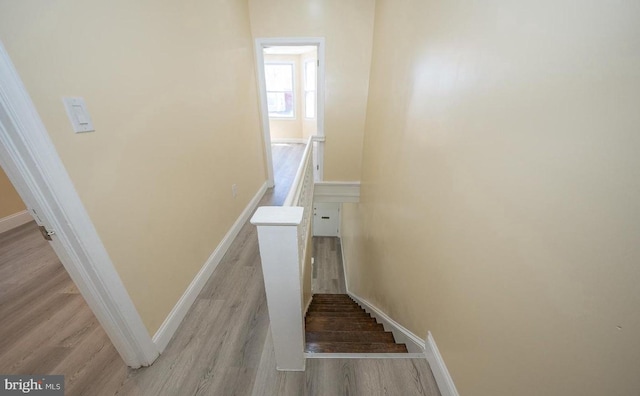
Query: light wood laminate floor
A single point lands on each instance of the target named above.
(286, 160)
(223, 346)
(46, 326)
(328, 271)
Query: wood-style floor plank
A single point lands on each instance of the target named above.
(340, 314)
(353, 377)
(348, 336)
(328, 271)
(354, 347)
(46, 322)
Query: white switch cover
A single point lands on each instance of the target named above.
(78, 114)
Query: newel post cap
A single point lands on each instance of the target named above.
(278, 216)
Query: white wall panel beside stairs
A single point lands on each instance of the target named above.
(326, 191)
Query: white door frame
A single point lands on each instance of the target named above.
(32, 164)
(262, 43)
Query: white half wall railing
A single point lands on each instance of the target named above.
(284, 235)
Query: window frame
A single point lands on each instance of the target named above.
(305, 90)
(293, 89)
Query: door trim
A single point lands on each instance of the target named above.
(31, 162)
(260, 44)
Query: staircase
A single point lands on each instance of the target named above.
(336, 324)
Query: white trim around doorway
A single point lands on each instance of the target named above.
(262, 43)
(31, 162)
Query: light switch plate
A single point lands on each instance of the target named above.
(78, 114)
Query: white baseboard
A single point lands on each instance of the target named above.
(336, 191)
(179, 311)
(15, 220)
(403, 336)
(439, 369)
(288, 140)
(344, 261)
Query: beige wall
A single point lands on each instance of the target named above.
(283, 128)
(347, 27)
(171, 90)
(10, 201)
(501, 196)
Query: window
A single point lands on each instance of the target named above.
(310, 89)
(280, 98)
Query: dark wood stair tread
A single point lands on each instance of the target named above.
(336, 297)
(354, 347)
(328, 308)
(350, 336)
(333, 300)
(344, 327)
(338, 320)
(338, 305)
(335, 323)
(337, 314)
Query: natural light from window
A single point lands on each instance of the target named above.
(310, 89)
(280, 98)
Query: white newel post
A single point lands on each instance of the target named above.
(278, 238)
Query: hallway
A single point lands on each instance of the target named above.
(223, 346)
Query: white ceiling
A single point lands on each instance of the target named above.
(289, 50)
